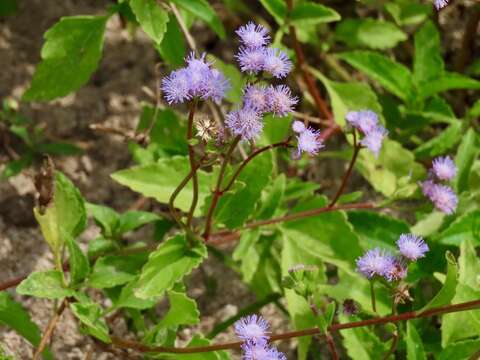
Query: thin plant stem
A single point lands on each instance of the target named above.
(183, 26)
(348, 173)
(217, 192)
(470, 305)
(372, 296)
(331, 346)
(50, 329)
(394, 345)
(191, 156)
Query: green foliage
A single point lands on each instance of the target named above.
(312, 13)
(203, 10)
(89, 315)
(45, 284)
(415, 350)
(151, 17)
(74, 42)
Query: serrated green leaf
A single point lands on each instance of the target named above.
(159, 180)
(203, 10)
(372, 33)
(312, 13)
(168, 264)
(127, 298)
(465, 228)
(13, 315)
(45, 284)
(79, 264)
(152, 18)
(183, 310)
(441, 143)
(428, 62)
(71, 53)
(392, 75)
(466, 154)
(415, 350)
(89, 315)
(462, 350)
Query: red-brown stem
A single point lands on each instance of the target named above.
(346, 176)
(217, 192)
(331, 346)
(191, 156)
(251, 157)
(127, 344)
(50, 329)
(393, 348)
(303, 214)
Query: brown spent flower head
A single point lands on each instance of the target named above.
(206, 128)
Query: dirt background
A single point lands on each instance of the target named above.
(111, 97)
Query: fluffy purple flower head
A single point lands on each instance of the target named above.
(214, 86)
(253, 35)
(309, 141)
(411, 246)
(261, 351)
(444, 198)
(363, 120)
(176, 86)
(375, 262)
(397, 269)
(440, 3)
(245, 122)
(373, 140)
(277, 63)
(444, 168)
(255, 97)
(251, 60)
(253, 329)
(298, 126)
(427, 187)
(280, 100)
(199, 72)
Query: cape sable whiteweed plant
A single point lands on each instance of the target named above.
(333, 179)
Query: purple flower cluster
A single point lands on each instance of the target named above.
(442, 196)
(259, 99)
(308, 139)
(439, 4)
(197, 80)
(254, 56)
(379, 262)
(253, 330)
(366, 121)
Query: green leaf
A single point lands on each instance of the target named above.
(247, 253)
(441, 143)
(204, 11)
(70, 55)
(183, 311)
(168, 264)
(376, 229)
(110, 271)
(127, 298)
(393, 76)
(172, 49)
(151, 17)
(89, 315)
(276, 8)
(234, 209)
(272, 197)
(460, 351)
(469, 265)
(159, 180)
(408, 12)
(466, 154)
(13, 315)
(415, 350)
(45, 284)
(428, 62)
(447, 292)
(312, 13)
(132, 220)
(449, 81)
(372, 33)
(429, 224)
(104, 217)
(79, 265)
(465, 228)
(64, 215)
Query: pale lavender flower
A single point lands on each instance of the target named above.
(373, 139)
(277, 63)
(261, 351)
(255, 97)
(251, 60)
(440, 3)
(444, 198)
(374, 262)
(176, 86)
(253, 329)
(298, 126)
(309, 141)
(253, 35)
(363, 120)
(412, 246)
(397, 270)
(444, 168)
(245, 122)
(214, 86)
(199, 72)
(280, 100)
(427, 187)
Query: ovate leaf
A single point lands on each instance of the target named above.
(172, 49)
(449, 81)
(168, 264)
(151, 17)
(70, 55)
(132, 220)
(312, 13)
(183, 311)
(428, 62)
(78, 261)
(45, 284)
